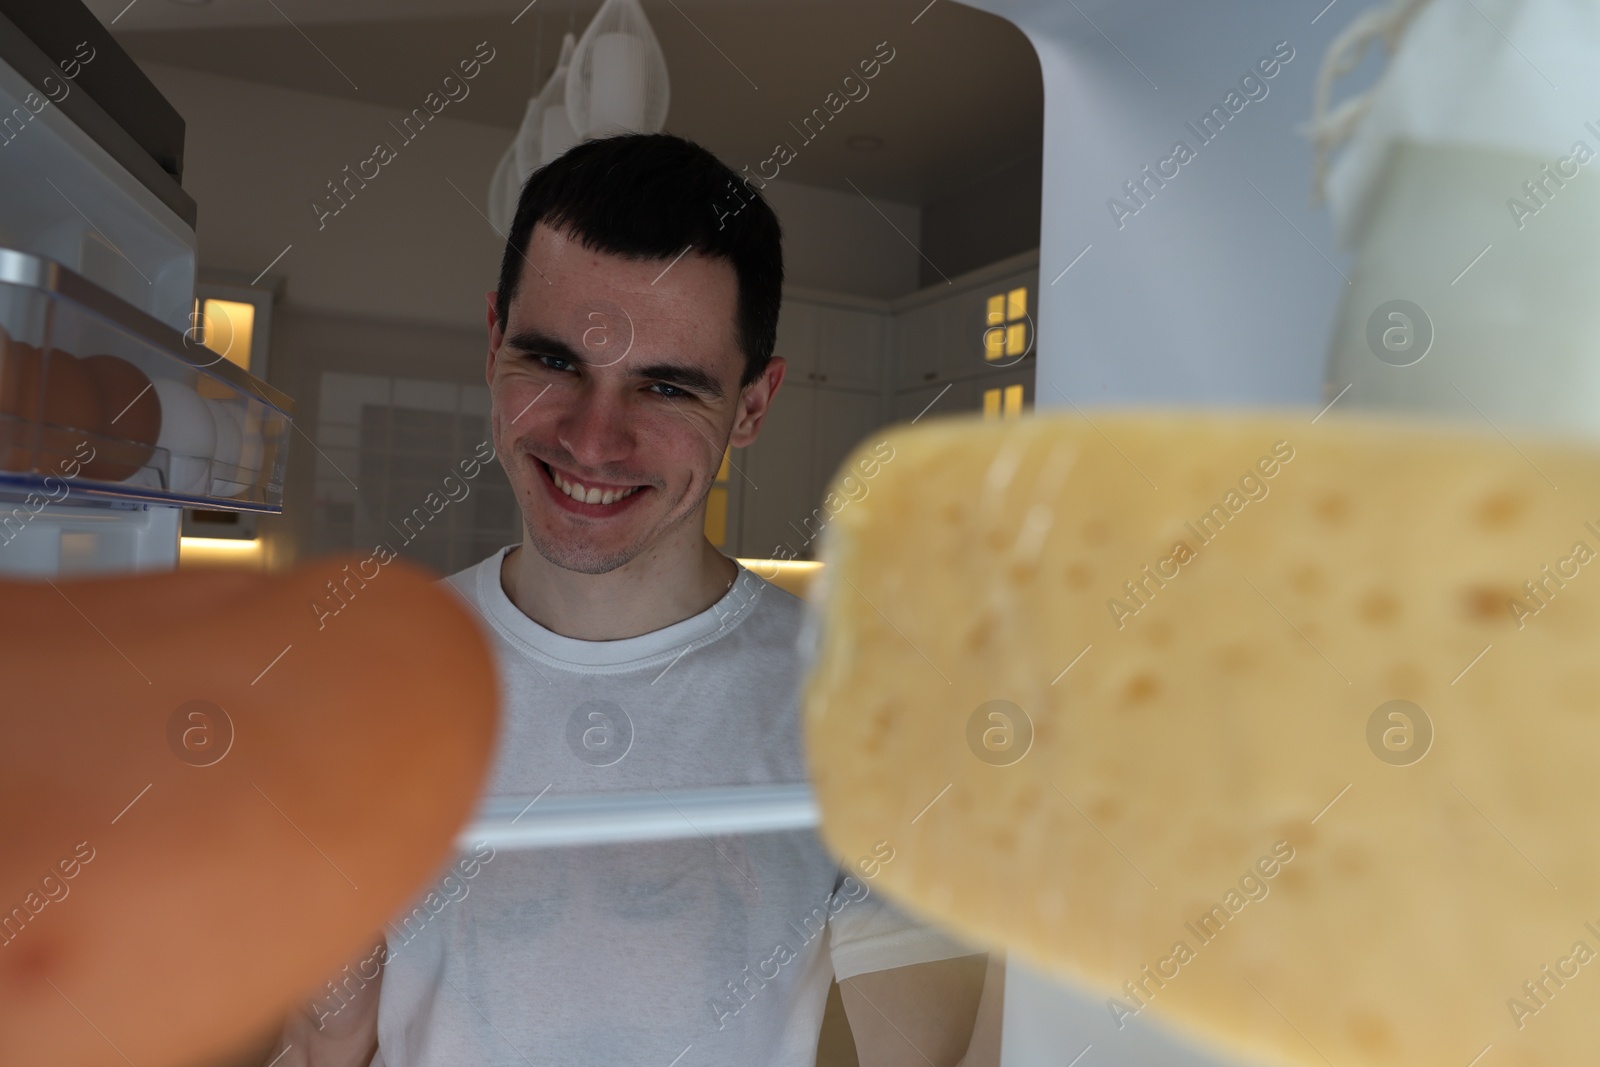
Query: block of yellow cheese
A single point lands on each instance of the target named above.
(1281, 734)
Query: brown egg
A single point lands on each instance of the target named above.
(73, 414)
(19, 402)
(52, 403)
(169, 803)
(132, 418)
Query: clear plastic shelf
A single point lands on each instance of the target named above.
(103, 402)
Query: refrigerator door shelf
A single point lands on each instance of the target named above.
(104, 402)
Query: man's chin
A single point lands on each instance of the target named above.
(582, 559)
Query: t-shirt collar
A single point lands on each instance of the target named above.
(729, 610)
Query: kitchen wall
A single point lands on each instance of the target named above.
(412, 243)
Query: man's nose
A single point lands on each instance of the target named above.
(595, 429)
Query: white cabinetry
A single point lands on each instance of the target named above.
(940, 335)
(806, 436)
(934, 399)
(854, 367)
(777, 472)
(843, 419)
(918, 333)
(797, 342)
(841, 347)
(850, 348)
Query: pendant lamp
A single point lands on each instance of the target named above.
(611, 80)
(617, 80)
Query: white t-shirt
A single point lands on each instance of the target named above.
(691, 953)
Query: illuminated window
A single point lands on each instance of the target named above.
(1007, 332)
(717, 506)
(1002, 402)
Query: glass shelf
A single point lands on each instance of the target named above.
(106, 404)
(528, 822)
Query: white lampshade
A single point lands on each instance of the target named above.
(612, 80)
(617, 96)
(527, 153)
(617, 81)
(557, 134)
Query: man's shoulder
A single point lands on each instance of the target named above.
(773, 609)
(465, 581)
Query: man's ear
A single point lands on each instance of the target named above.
(496, 335)
(755, 400)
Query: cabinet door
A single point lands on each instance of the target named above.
(1003, 378)
(797, 341)
(916, 358)
(1021, 314)
(777, 474)
(850, 348)
(933, 400)
(965, 326)
(962, 323)
(843, 421)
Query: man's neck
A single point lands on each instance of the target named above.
(652, 591)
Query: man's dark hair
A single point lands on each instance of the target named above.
(651, 196)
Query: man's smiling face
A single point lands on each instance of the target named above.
(615, 388)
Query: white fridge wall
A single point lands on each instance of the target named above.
(67, 200)
(69, 541)
(1216, 292)
(1208, 295)
(1047, 1023)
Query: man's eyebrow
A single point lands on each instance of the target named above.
(691, 378)
(538, 341)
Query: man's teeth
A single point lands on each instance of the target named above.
(589, 494)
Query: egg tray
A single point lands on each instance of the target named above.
(103, 402)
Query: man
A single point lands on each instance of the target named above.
(630, 346)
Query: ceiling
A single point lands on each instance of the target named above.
(961, 98)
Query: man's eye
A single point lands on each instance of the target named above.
(672, 391)
(555, 362)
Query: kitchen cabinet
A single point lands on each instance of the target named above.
(777, 473)
(808, 433)
(797, 342)
(961, 326)
(917, 338)
(946, 398)
(854, 368)
(1003, 378)
(835, 346)
(965, 396)
(843, 419)
(850, 348)
(942, 339)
